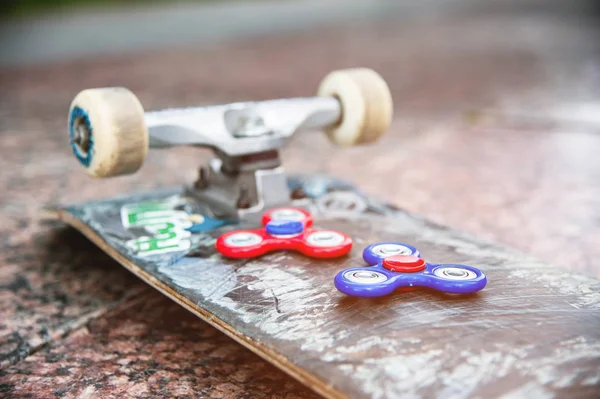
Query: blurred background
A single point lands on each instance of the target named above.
(497, 105)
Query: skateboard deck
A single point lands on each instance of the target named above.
(533, 331)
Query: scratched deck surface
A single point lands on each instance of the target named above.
(534, 328)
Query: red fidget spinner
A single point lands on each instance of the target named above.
(284, 229)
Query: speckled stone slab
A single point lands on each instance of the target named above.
(151, 348)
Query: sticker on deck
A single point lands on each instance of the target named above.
(165, 226)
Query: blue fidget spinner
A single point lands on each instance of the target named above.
(394, 265)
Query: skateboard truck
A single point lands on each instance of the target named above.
(110, 135)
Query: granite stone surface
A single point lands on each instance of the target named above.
(148, 348)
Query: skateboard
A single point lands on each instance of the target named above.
(348, 294)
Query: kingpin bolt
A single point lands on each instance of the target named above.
(244, 201)
(202, 181)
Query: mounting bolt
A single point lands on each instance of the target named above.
(202, 181)
(244, 201)
(298, 193)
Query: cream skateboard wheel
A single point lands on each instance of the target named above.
(107, 131)
(366, 104)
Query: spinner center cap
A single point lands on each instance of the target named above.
(404, 263)
(284, 227)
